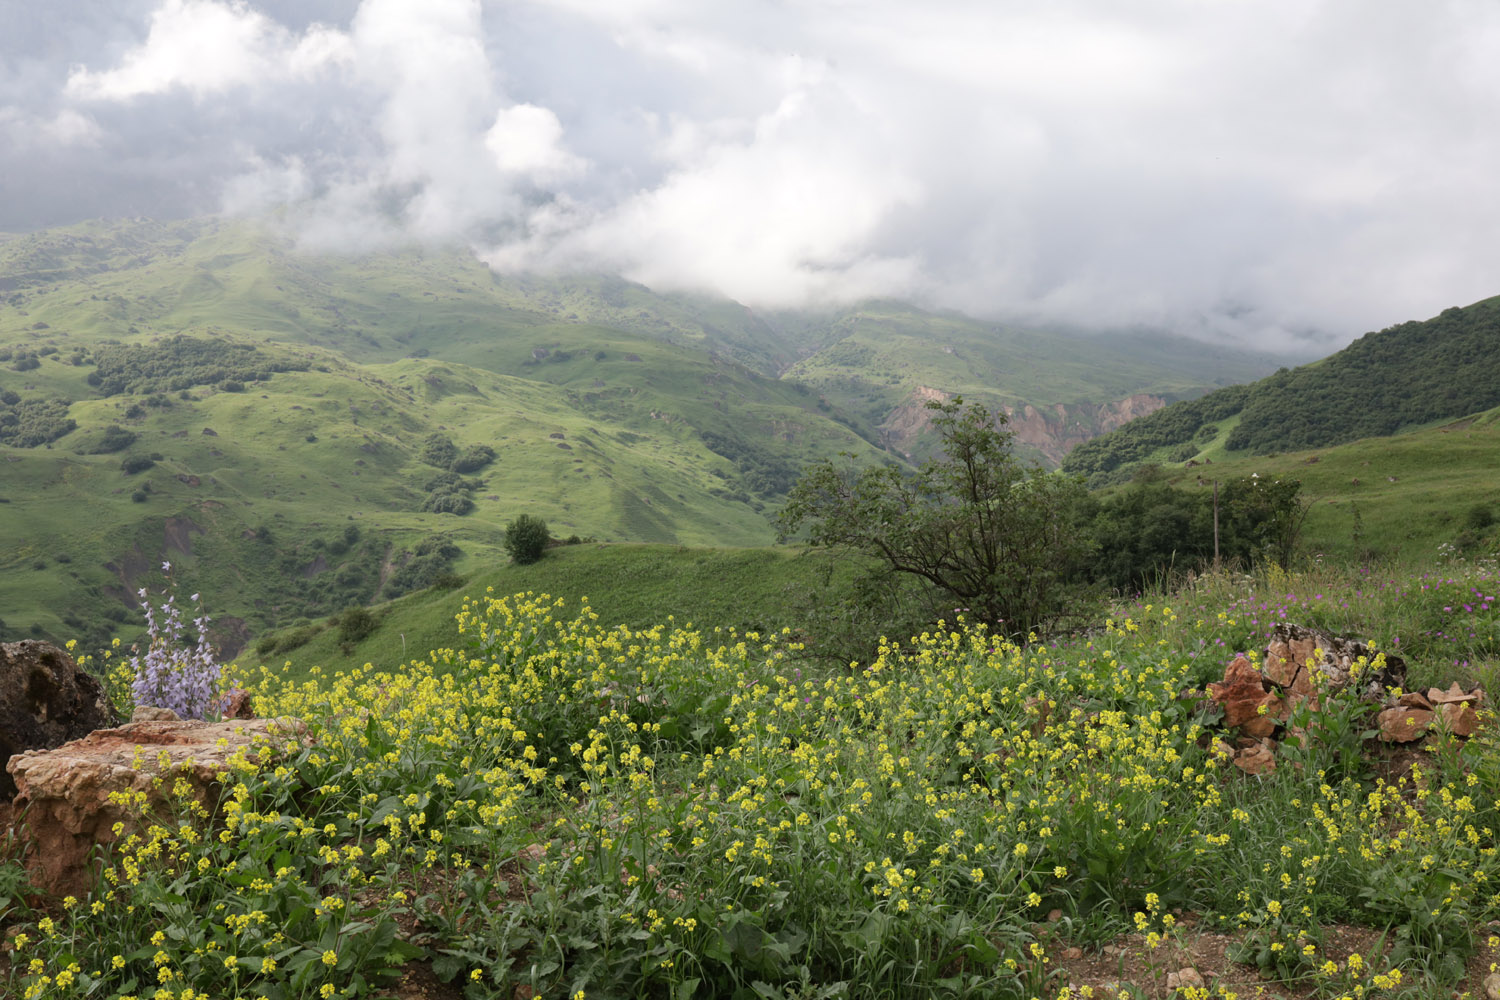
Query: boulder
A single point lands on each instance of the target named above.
(66, 792)
(1403, 724)
(1258, 758)
(45, 700)
(1248, 702)
(1290, 658)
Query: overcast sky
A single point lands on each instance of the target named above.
(1248, 170)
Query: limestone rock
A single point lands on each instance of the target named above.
(66, 791)
(150, 713)
(1185, 979)
(1292, 646)
(1403, 725)
(1459, 717)
(1453, 695)
(1256, 759)
(1492, 986)
(45, 700)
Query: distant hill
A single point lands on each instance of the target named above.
(883, 360)
(296, 433)
(1404, 377)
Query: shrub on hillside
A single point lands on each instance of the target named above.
(136, 463)
(27, 423)
(115, 438)
(473, 458)
(526, 539)
(439, 451)
(356, 623)
(448, 503)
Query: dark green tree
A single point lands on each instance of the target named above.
(992, 536)
(526, 539)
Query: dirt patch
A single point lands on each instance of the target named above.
(230, 636)
(179, 532)
(418, 982)
(1129, 963)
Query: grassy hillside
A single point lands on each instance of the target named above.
(249, 489)
(754, 589)
(1404, 377)
(304, 389)
(1386, 497)
(881, 361)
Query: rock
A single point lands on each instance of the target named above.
(1291, 646)
(149, 713)
(1185, 979)
(1453, 695)
(1492, 986)
(1414, 699)
(1242, 693)
(1257, 759)
(1459, 718)
(45, 700)
(1403, 725)
(1072, 954)
(67, 790)
(237, 704)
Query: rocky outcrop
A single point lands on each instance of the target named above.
(1290, 663)
(45, 700)
(1057, 429)
(1307, 667)
(1051, 429)
(72, 797)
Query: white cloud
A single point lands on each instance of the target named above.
(1249, 168)
(527, 141)
(207, 46)
(65, 128)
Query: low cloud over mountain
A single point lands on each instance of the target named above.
(1262, 172)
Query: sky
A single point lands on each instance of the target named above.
(1270, 173)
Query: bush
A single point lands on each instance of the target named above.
(1479, 517)
(356, 623)
(526, 539)
(115, 438)
(473, 458)
(438, 451)
(448, 503)
(136, 463)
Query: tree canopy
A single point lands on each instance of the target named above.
(995, 537)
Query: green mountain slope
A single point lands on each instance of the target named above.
(1401, 378)
(883, 360)
(1412, 496)
(200, 393)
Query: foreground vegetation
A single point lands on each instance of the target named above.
(608, 812)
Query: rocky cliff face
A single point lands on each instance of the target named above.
(1052, 431)
(1057, 429)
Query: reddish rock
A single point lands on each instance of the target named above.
(1414, 699)
(237, 704)
(45, 700)
(1257, 759)
(1403, 725)
(1459, 718)
(66, 791)
(1337, 664)
(1453, 695)
(1242, 694)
